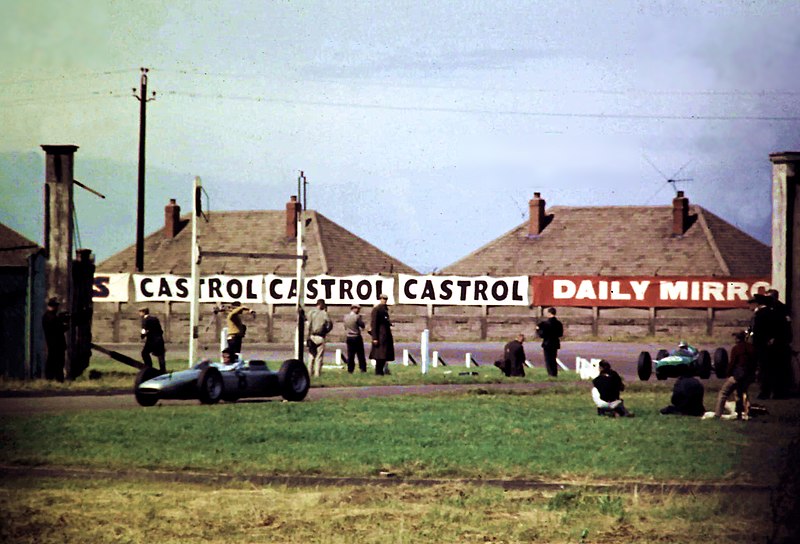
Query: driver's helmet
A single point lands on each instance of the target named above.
(683, 345)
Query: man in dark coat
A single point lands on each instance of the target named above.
(153, 336)
(687, 397)
(513, 362)
(550, 331)
(381, 332)
(54, 325)
(762, 337)
(780, 350)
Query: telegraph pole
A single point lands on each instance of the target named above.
(143, 100)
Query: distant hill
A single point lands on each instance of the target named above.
(105, 226)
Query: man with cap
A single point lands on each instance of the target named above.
(741, 373)
(353, 323)
(54, 325)
(153, 336)
(381, 332)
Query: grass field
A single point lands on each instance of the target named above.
(552, 435)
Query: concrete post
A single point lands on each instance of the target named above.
(786, 235)
(58, 228)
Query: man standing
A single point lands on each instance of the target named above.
(761, 331)
(319, 325)
(153, 336)
(355, 344)
(780, 351)
(237, 329)
(54, 325)
(381, 332)
(550, 331)
(514, 357)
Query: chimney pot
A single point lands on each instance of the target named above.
(680, 214)
(172, 219)
(292, 209)
(537, 217)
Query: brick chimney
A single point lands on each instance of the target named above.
(292, 208)
(172, 219)
(536, 223)
(680, 214)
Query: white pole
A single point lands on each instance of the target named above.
(300, 272)
(223, 339)
(468, 360)
(424, 350)
(435, 359)
(405, 357)
(194, 305)
(338, 358)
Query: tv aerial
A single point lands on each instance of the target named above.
(668, 180)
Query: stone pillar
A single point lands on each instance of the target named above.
(786, 234)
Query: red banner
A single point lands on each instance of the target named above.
(646, 291)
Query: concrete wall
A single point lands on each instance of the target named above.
(119, 322)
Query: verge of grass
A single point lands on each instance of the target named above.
(552, 434)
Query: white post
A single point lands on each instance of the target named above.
(435, 359)
(223, 339)
(300, 271)
(338, 358)
(194, 305)
(405, 357)
(468, 360)
(424, 350)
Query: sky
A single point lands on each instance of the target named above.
(422, 127)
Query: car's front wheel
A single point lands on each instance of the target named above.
(293, 380)
(145, 399)
(209, 386)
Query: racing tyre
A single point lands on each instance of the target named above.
(721, 363)
(293, 380)
(145, 399)
(644, 367)
(704, 365)
(661, 354)
(209, 386)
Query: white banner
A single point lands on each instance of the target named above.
(344, 290)
(464, 290)
(216, 288)
(110, 287)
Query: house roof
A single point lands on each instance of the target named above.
(15, 248)
(331, 248)
(621, 241)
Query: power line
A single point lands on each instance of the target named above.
(63, 98)
(432, 109)
(65, 77)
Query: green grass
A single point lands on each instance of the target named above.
(549, 434)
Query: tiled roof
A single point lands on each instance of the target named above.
(620, 241)
(331, 249)
(14, 247)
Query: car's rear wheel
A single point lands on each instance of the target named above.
(661, 354)
(209, 386)
(293, 380)
(721, 363)
(644, 367)
(704, 364)
(145, 399)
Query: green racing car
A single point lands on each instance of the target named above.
(685, 360)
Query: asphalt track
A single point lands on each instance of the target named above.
(622, 356)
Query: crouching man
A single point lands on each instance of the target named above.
(605, 393)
